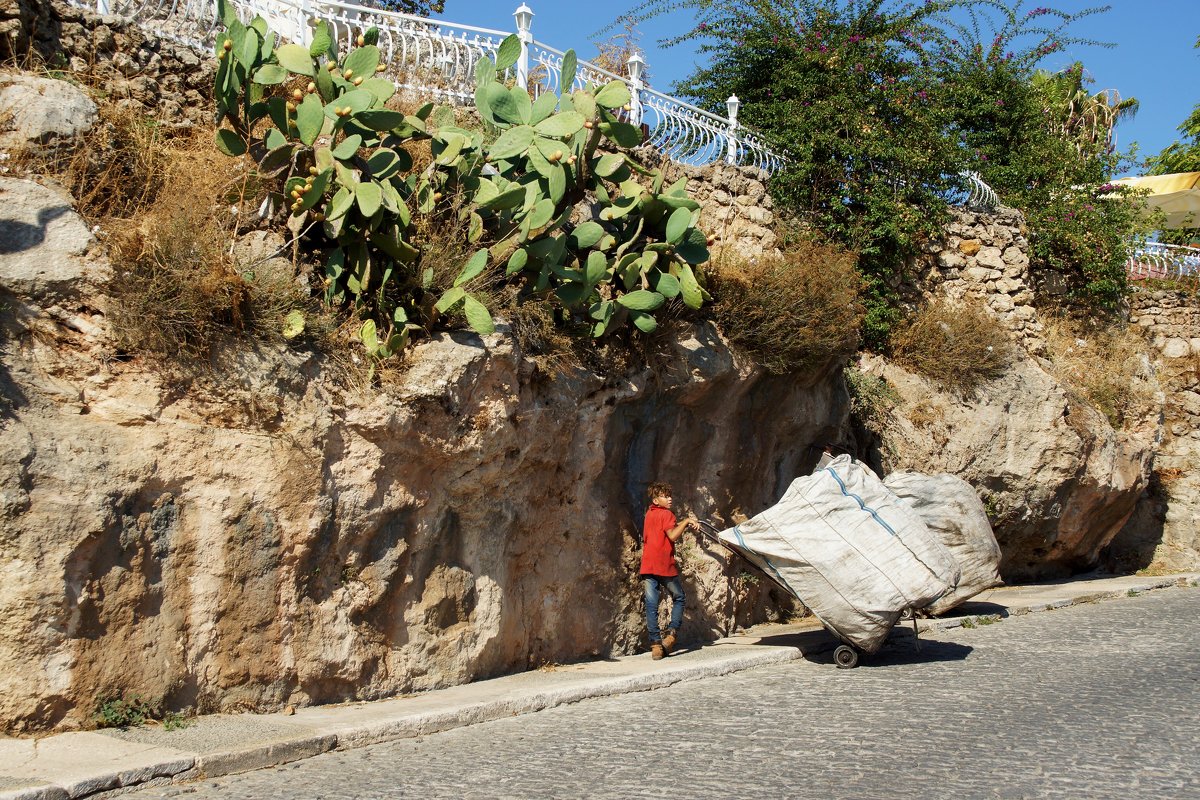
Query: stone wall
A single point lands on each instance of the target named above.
(736, 210)
(985, 257)
(112, 55)
(1165, 531)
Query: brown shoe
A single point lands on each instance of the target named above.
(668, 642)
(657, 651)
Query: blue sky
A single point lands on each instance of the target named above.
(1154, 59)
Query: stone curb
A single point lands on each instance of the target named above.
(1016, 610)
(402, 725)
(317, 733)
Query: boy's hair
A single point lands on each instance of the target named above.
(658, 489)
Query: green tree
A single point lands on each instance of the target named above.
(848, 92)
(421, 8)
(1044, 141)
(879, 104)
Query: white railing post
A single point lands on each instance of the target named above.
(637, 68)
(102, 7)
(303, 29)
(524, 18)
(732, 105)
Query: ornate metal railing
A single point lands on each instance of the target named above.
(439, 58)
(1154, 260)
(980, 195)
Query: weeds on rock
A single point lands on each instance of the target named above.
(116, 169)
(871, 399)
(1103, 363)
(957, 347)
(792, 313)
(121, 712)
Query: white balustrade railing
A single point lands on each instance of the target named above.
(1154, 260)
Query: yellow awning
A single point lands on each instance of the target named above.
(1177, 195)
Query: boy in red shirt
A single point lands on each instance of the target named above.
(658, 571)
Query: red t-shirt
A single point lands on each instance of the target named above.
(658, 552)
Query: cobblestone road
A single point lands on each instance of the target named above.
(1094, 701)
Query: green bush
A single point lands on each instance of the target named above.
(121, 712)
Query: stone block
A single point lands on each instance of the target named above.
(1000, 302)
(950, 259)
(1024, 312)
(990, 257)
(1008, 285)
(758, 215)
(1014, 255)
(981, 274)
(1176, 348)
(969, 247)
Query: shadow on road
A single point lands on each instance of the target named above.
(817, 647)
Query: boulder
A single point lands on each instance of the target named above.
(44, 244)
(953, 511)
(42, 111)
(1060, 481)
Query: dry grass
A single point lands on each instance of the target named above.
(1102, 362)
(177, 288)
(957, 347)
(793, 313)
(118, 168)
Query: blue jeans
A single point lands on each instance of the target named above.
(651, 585)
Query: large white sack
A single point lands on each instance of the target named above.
(850, 550)
(953, 511)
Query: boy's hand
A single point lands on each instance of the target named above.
(693, 523)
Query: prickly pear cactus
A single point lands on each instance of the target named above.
(549, 200)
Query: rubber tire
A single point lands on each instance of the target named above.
(845, 656)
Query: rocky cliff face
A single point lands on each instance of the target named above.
(1164, 533)
(1059, 481)
(270, 535)
(271, 538)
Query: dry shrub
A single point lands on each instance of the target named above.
(177, 289)
(1101, 362)
(958, 347)
(119, 167)
(792, 313)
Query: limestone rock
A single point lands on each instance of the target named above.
(42, 111)
(44, 244)
(277, 540)
(969, 247)
(1061, 482)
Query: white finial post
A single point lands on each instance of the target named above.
(637, 68)
(102, 7)
(524, 18)
(732, 105)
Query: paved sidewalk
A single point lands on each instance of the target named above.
(80, 764)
